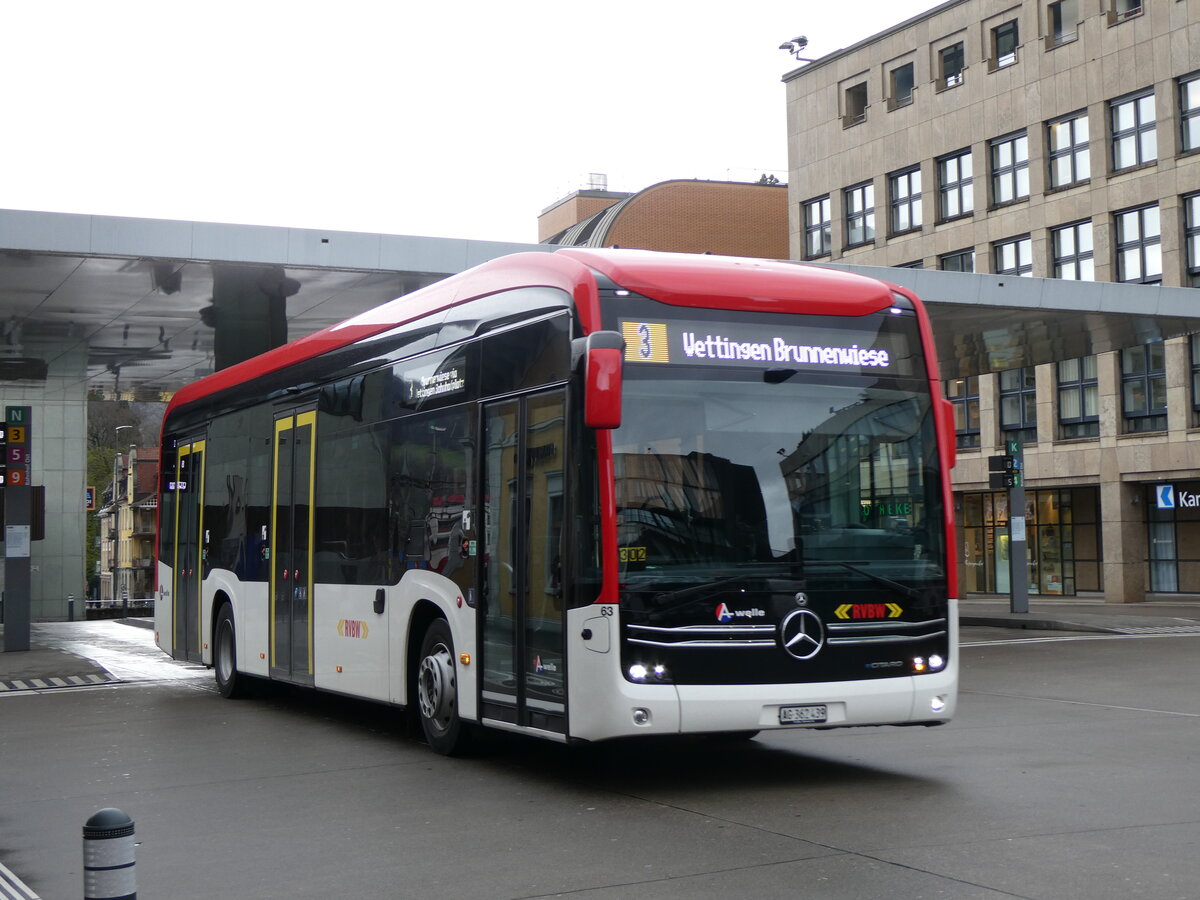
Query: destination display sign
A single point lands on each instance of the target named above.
(754, 345)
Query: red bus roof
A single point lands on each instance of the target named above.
(682, 279)
(763, 285)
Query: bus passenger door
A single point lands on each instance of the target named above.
(524, 668)
(291, 548)
(188, 565)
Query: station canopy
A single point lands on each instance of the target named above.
(136, 308)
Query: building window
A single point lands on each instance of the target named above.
(1144, 388)
(1194, 346)
(1010, 168)
(1018, 404)
(951, 65)
(860, 214)
(1078, 398)
(963, 393)
(1062, 19)
(902, 81)
(855, 105)
(1013, 257)
(915, 264)
(1191, 237)
(1067, 140)
(958, 261)
(1004, 45)
(955, 196)
(1189, 112)
(1071, 246)
(904, 190)
(818, 228)
(1139, 249)
(1131, 123)
(1120, 10)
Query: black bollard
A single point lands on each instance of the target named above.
(109, 869)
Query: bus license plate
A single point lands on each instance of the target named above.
(813, 714)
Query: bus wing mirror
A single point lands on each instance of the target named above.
(602, 380)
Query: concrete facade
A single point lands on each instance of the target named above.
(1150, 51)
(1081, 123)
(59, 428)
(128, 523)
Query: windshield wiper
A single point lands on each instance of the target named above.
(688, 592)
(909, 593)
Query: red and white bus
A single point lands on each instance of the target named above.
(580, 495)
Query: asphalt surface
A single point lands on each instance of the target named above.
(1069, 772)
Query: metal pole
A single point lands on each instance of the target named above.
(1017, 562)
(109, 867)
(18, 509)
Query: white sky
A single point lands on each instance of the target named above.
(455, 119)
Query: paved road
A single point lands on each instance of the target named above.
(1070, 772)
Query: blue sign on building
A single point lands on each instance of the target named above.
(1164, 496)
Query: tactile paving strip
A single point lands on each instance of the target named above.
(45, 684)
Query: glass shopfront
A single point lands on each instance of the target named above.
(1062, 537)
(1173, 537)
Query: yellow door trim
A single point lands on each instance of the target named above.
(198, 447)
(185, 450)
(310, 418)
(281, 425)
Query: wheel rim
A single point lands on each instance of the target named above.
(435, 687)
(225, 651)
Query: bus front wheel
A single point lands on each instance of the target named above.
(437, 691)
(231, 684)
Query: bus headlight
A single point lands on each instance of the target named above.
(648, 673)
(937, 704)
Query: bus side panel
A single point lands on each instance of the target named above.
(249, 601)
(601, 701)
(164, 626)
(252, 607)
(350, 641)
(418, 586)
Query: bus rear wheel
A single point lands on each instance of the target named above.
(230, 683)
(437, 691)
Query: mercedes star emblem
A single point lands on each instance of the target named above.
(801, 633)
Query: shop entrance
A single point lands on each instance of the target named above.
(1173, 538)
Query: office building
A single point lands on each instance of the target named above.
(1046, 139)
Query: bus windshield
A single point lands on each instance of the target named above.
(753, 472)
